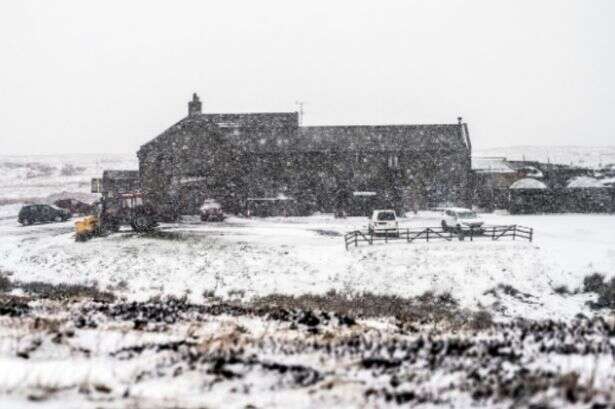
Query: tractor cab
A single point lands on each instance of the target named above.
(127, 209)
(114, 211)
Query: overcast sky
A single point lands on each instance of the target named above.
(107, 76)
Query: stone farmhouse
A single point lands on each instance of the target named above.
(241, 158)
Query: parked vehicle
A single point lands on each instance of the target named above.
(211, 211)
(383, 221)
(127, 209)
(460, 219)
(41, 213)
(73, 206)
(110, 213)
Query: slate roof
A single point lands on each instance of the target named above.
(242, 120)
(491, 165)
(279, 132)
(253, 120)
(380, 137)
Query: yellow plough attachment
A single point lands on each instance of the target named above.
(86, 228)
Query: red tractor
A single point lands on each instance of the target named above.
(110, 213)
(127, 209)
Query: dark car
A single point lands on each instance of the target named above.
(40, 213)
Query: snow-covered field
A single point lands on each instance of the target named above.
(256, 257)
(219, 348)
(584, 156)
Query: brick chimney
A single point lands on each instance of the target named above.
(194, 106)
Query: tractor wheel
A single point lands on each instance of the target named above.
(142, 223)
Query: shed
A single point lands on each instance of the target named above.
(529, 195)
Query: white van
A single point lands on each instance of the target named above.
(383, 221)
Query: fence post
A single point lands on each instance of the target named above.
(371, 237)
(356, 239)
(386, 236)
(471, 233)
(408, 235)
(428, 234)
(515, 232)
(531, 234)
(493, 233)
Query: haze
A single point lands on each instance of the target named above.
(90, 77)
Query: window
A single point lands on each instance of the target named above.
(386, 216)
(393, 161)
(228, 124)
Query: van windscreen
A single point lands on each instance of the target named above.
(386, 216)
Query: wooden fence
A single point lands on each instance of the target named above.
(437, 233)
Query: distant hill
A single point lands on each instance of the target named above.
(585, 156)
(43, 178)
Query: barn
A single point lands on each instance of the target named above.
(237, 158)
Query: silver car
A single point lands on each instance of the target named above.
(460, 219)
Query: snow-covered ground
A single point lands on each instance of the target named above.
(295, 255)
(585, 156)
(176, 355)
(256, 257)
(162, 354)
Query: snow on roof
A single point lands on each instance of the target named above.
(528, 183)
(532, 171)
(584, 181)
(583, 156)
(491, 165)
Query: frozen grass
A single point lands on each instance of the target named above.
(168, 352)
(606, 291)
(61, 291)
(424, 309)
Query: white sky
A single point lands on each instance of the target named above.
(107, 76)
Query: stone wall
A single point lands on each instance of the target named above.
(193, 162)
